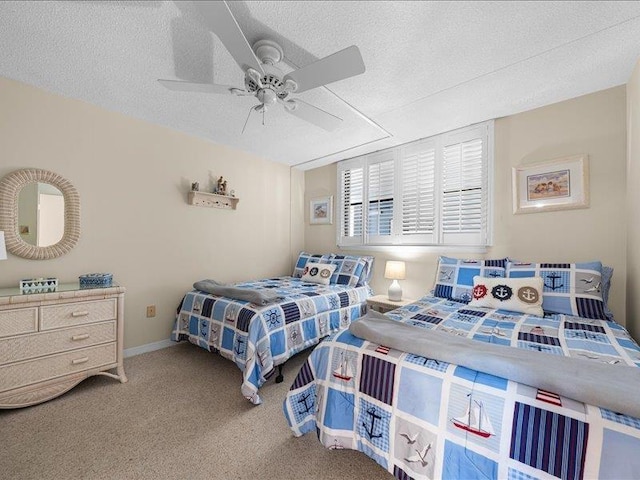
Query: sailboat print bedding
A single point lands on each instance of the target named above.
(421, 418)
(259, 338)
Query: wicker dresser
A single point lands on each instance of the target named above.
(50, 342)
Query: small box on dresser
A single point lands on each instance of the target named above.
(50, 342)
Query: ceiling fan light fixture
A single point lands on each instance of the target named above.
(267, 96)
(255, 76)
(290, 85)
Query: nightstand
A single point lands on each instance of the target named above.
(382, 304)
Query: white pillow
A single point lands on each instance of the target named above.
(317, 273)
(522, 295)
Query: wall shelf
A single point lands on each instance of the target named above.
(203, 199)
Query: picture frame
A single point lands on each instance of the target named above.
(558, 184)
(321, 210)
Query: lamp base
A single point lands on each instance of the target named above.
(395, 291)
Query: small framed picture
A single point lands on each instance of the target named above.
(558, 184)
(321, 211)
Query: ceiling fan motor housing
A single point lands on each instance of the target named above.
(271, 80)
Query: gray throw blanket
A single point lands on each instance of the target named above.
(257, 297)
(615, 387)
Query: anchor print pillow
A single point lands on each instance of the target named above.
(568, 288)
(523, 295)
(317, 273)
(454, 276)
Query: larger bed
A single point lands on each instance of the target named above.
(258, 338)
(419, 417)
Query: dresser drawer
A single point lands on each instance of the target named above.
(24, 347)
(68, 315)
(20, 374)
(14, 322)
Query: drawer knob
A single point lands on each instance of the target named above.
(82, 336)
(78, 361)
(83, 313)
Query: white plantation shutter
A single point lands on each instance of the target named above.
(351, 203)
(380, 177)
(463, 213)
(433, 191)
(418, 193)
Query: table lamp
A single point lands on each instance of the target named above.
(395, 271)
(3, 247)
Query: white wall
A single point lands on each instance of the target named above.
(133, 178)
(633, 202)
(592, 124)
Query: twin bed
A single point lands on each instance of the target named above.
(258, 338)
(421, 417)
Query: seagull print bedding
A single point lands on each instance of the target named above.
(423, 418)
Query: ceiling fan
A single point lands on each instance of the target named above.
(265, 81)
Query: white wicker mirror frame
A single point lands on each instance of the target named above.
(10, 187)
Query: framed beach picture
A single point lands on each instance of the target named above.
(559, 184)
(321, 211)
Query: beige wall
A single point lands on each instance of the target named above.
(592, 124)
(633, 202)
(133, 178)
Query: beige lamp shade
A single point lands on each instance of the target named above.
(3, 247)
(394, 270)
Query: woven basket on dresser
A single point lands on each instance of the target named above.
(95, 280)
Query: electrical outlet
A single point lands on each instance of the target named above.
(151, 311)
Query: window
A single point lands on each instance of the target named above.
(351, 200)
(433, 191)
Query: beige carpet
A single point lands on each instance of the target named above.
(180, 416)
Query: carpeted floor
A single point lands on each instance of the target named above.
(180, 416)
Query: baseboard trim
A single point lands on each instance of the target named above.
(149, 347)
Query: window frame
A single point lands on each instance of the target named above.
(438, 238)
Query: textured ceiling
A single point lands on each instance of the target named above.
(431, 66)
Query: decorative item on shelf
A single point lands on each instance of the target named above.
(195, 186)
(321, 211)
(95, 280)
(221, 187)
(232, 193)
(3, 247)
(38, 285)
(395, 270)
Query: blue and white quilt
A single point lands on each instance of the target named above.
(258, 338)
(421, 418)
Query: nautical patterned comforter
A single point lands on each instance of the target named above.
(258, 338)
(423, 418)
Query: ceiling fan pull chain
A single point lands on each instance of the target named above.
(247, 120)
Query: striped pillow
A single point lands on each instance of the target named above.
(569, 288)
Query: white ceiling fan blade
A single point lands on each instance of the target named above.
(338, 66)
(219, 19)
(312, 114)
(181, 86)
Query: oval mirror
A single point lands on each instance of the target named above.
(39, 214)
